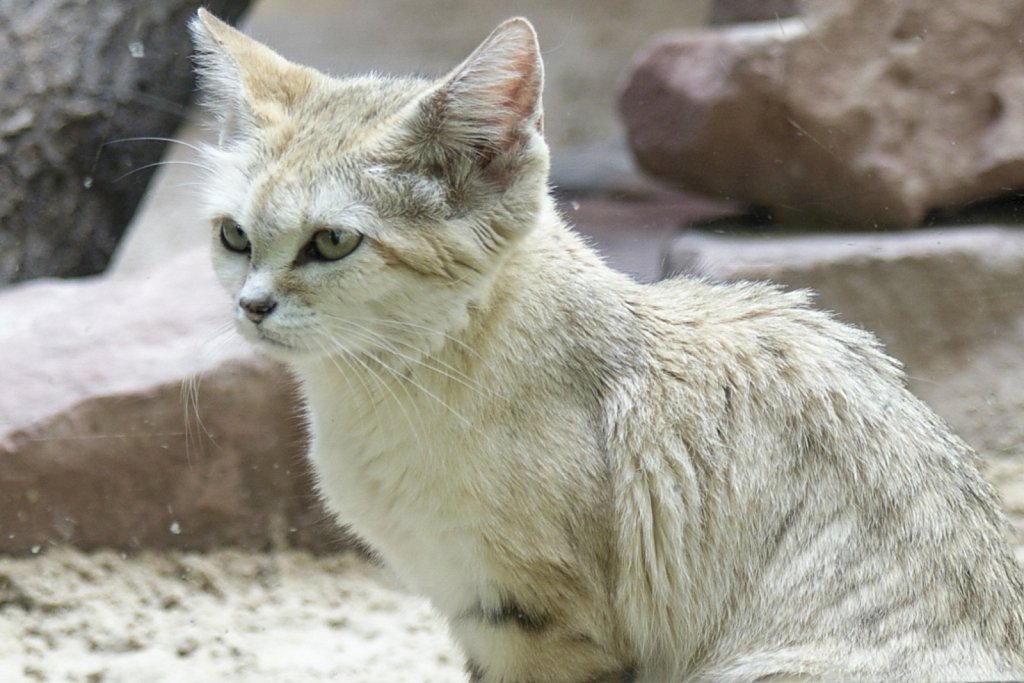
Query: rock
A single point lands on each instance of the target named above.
(946, 302)
(80, 79)
(630, 234)
(858, 113)
(137, 420)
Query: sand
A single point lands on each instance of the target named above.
(224, 617)
(221, 617)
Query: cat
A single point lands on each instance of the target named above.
(593, 480)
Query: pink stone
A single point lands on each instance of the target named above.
(859, 113)
(98, 447)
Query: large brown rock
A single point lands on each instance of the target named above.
(860, 112)
(132, 417)
(946, 302)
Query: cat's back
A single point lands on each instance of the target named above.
(860, 518)
(761, 324)
(798, 393)
(756, 351)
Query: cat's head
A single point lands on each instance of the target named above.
(361, 214)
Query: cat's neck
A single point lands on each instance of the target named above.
(551, 288)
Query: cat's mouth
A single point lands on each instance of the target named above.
(261, 337)
(270, 341)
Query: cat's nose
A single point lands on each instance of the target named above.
(258, 308)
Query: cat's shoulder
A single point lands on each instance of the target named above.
(690, 300)
(759, 325)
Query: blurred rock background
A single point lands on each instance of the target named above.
(81, 82)
(135, 418)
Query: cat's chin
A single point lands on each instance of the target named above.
(272, 345)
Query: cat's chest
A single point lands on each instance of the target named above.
(406, 474)
(396, 454)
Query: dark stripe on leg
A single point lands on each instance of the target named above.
(475, 671)
(627, 675)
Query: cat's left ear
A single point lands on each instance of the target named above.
(244, 83)
(490, 105)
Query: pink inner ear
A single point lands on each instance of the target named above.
(521, 94)
(488, 107)
(499, 86)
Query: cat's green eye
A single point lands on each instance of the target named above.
(233, 237)
(332, 245)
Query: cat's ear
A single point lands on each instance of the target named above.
(490, 105)
(244, 83)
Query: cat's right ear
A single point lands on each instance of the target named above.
(244, 84)
(488, 108)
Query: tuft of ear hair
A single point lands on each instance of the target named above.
(243, 82)
(491, 103)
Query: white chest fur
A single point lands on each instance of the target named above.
(393, 462)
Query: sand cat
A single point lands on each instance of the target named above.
(593, 480)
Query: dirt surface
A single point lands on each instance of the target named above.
(227, 617)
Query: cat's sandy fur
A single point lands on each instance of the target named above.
(593, 480)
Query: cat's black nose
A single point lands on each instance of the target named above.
(257, 309)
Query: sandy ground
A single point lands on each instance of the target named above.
(227, 616)
(224, 617)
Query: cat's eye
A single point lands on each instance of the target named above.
(332, 245)
(233, 237)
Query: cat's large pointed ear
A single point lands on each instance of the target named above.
(244, 83)
(489, 105)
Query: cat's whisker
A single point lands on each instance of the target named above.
(458, 343)
(192, 417)
(317, 343)
(345, 358)
(353, 357)
(923, 380)
(415, 326)
(432, 363)
(186, 186)
(402, 380)
(190, 394)
(369, 358)
(153, 138)
(165, 162)
(381, 342)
